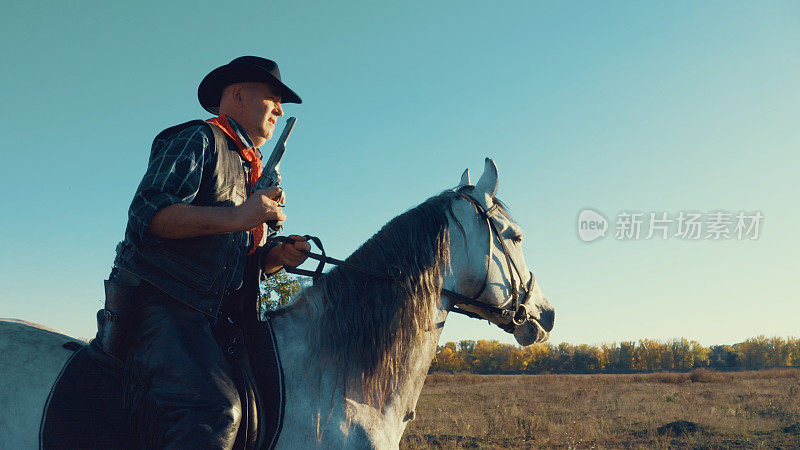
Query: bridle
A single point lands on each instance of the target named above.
(517, 314)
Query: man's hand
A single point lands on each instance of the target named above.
(261, 207)
(180, 221)
(290, 255)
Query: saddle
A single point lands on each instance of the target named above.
(85, 406)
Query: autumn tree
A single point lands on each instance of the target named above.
(465, 349)
(699, 354)
(447, 358)
(681, 354)
(607, 351)
(277, 290)
(515, 361)
(622, 357)
(723, 357)
(754, 352)
(586, 358)
(538, 358)
(487, 356)
(564, 355)
(777, 352)
(793, 349)
(648, 355)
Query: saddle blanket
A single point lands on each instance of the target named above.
(85, 406)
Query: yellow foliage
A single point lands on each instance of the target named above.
(644, 355)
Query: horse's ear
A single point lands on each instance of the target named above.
(464, 179)
(486, 187)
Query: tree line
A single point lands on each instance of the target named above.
(628, 356)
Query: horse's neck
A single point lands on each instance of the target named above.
(312, 392)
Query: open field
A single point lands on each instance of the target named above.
(740, 409)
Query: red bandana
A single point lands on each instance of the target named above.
(252, 156)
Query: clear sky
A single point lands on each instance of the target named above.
(616, 106)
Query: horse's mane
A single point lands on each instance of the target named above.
(360, 316)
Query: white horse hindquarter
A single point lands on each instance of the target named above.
(31, 357)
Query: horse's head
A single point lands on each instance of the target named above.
(488, 268)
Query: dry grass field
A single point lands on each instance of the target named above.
(726, 410)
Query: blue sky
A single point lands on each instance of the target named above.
(617, 106)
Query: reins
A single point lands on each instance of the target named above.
(394, 274)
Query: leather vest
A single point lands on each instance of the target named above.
(195, 270)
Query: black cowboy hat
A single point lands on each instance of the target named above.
(243, 68)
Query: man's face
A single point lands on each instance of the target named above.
(261, 108)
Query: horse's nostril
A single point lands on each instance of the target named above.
(547, 319)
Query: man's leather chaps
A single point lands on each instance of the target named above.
(179, 385)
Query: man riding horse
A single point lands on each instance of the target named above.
(192, 236)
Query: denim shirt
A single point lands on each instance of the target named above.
(194, 164)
